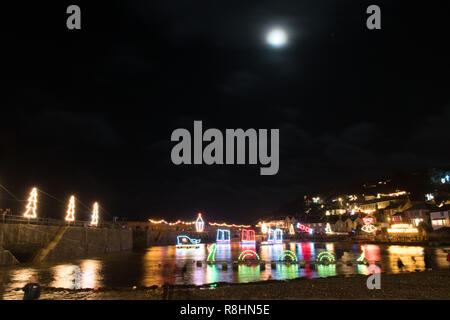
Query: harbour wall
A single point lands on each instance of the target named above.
(21, 243)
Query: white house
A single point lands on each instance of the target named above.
(440, 218)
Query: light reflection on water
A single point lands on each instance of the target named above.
(167, 264)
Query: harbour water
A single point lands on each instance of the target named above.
(168, 264)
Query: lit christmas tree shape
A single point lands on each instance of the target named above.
(291, 229)
(71, 210)
(31, 207)
(368, 224)
(94, 218)
(328, 229)
(223, 236)
(199, 224)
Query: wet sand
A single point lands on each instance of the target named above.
(413, 285)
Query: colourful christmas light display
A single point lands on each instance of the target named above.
(223, 236)
(71, 210)
(288, 254)
(325, 257)
(275, 236)
(212, 253)
(184, 241)
(402, 228)
(31, 205)
(304, 228)
(248, 255)
(368, 224)
(328, 229)
(199, 224)
(248, 236)
(94, 218)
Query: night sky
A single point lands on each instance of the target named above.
(90, 112)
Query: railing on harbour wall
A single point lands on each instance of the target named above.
(15, 219)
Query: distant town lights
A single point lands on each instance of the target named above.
(31, 205)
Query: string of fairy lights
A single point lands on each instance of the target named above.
(199, 223)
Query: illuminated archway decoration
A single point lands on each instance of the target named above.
(325, 257)
(184, 241)
(275, 236)
(31, 207)
(304, 228)
(248, 255)
(368, 224)
(248, 236)
(199, 224)
(94, 218)
(71, 210)
(212, 253)
(288, 254)
(223, 236)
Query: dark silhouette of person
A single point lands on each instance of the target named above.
(32, 290)
(400, 264)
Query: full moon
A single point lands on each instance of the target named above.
(277, 38)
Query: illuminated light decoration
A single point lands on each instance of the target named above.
(429, 196)
(184, 241)
(264, 228)
(71, 210)
(316, 199)
(248, 255)
(170, 223)
(94, 219)
(304, 228)
(31, 205)
(288, 254)
(394, 194)
(328, 229)
(402, 228)
(275, 236)
(199, 224)
(362, 257)
(325, 257)
(248, 237)
(212, 253)
(223, 236)
(229, 225)
(368, 224)
(291, 229)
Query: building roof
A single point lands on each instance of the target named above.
(440, 209)
(422, 206)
